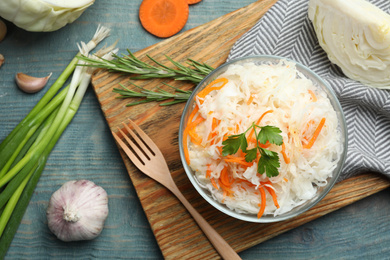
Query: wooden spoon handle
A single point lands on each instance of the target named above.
(222, 247)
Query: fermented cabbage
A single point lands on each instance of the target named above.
(296, 106)
(42, 15)
(355, 34)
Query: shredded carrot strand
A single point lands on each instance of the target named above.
(239, 161)
(225, 177)
(258, 122)
(313, 96)
(263, 202)
(209, 87)
(192, 115)
(306, 129)
(213, 134)
(285, 157)
(224, 195)
(185, 136)
(195, 138)
(272, 192)
(315, 135)
(251, 97)
(285, 179)
(214, 183)
(219, 150)
(208, 171)
(225, 188)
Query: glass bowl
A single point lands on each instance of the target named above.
(321, 192)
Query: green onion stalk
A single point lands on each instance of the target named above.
(25, 150)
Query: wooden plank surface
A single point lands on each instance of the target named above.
(87, 150)
(177, 234)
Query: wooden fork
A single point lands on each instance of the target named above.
(149, 159)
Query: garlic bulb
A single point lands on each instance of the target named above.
(77, 211)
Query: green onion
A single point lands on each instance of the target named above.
(25, 150)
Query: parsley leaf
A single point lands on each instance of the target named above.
(270, 134)
(233, 143)
(251, 154)
(268, 163)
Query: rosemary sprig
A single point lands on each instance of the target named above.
(149, 95)
(141, 70)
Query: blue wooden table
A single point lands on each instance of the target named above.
(87, 150)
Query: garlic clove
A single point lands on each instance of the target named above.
(2, 60)
(77, 211)
(30, 84)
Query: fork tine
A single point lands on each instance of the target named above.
(138, 141)
(145, 137)
(127, 150)
(135, 148)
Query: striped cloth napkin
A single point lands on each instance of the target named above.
(286, 31)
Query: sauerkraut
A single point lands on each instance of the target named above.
(284, 98)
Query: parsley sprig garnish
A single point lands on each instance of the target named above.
(269, 160)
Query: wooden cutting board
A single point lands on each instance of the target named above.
(176, 232)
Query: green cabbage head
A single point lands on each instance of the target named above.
(355, 34)
(42, 15)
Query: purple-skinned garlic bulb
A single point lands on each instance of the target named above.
(77, 211)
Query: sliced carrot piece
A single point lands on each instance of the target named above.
(191, 2)
(163, 18)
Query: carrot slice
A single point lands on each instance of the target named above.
(191, 2)
(163, 18)
(315, 135)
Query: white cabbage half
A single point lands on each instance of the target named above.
(355, 34)
(42, 15)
